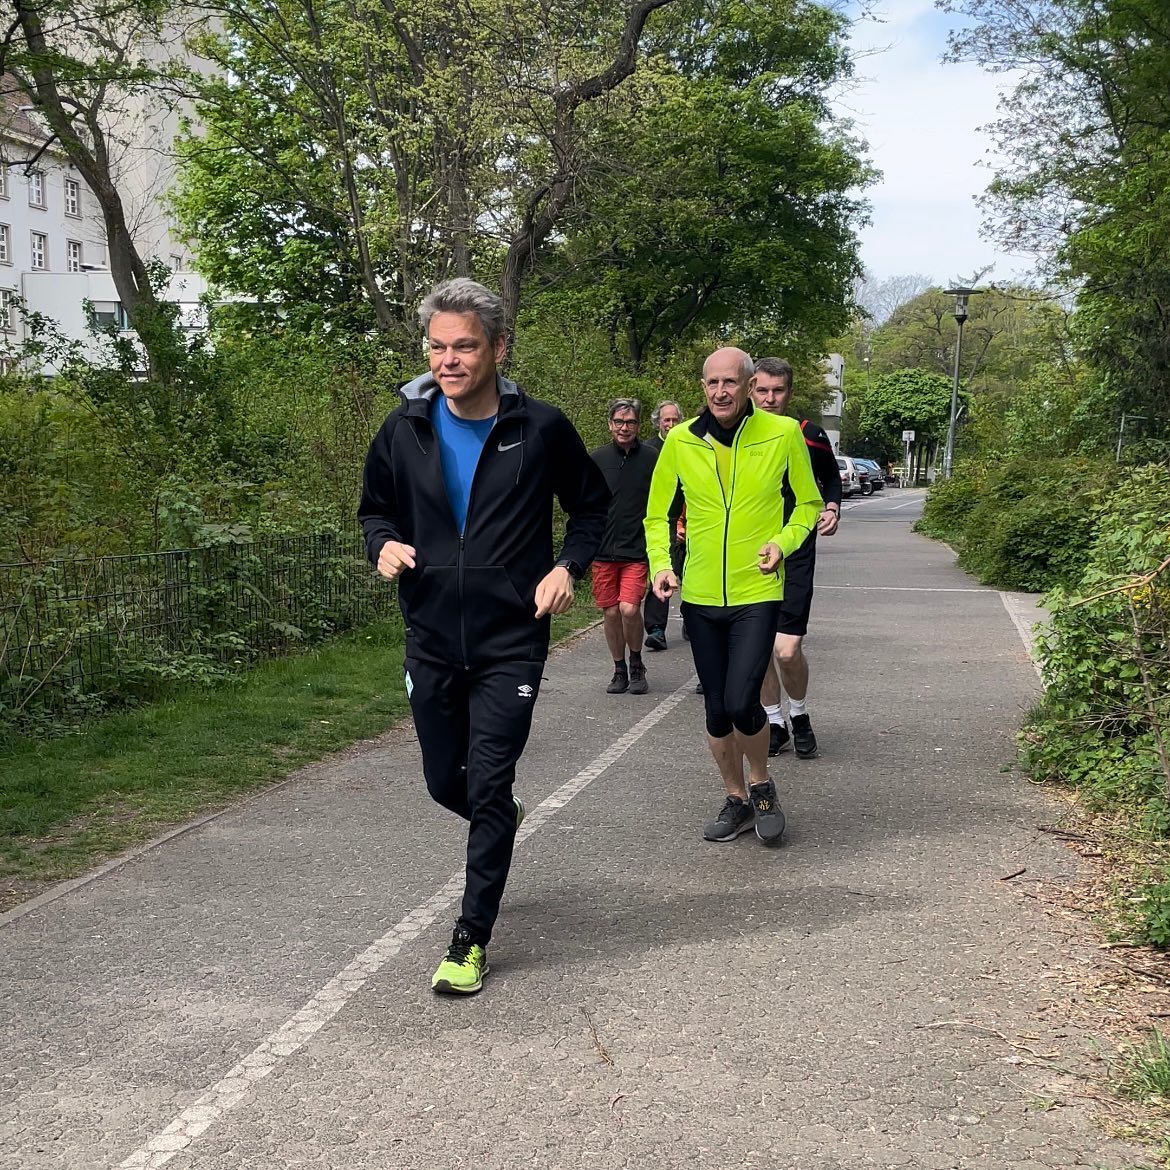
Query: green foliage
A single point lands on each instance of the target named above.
(1103, 724)
(729, 198)
(710, 188)
(1144, 1070)
(1086, 171)
(951, 501)
(914, 400)
(1025, 523)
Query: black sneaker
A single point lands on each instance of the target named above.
(699, 688)
(638, 683)
(655, 640)
(802, 737)
(769, 814)
(735, 817)
(619, 684)
(777, 738)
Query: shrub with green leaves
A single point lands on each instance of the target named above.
(1103, 724)
(1023, 523)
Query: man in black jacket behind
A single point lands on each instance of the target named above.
(621, 570)
(772, 391)
(457, 507)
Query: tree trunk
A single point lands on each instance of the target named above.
(545, 206)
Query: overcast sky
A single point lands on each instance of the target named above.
(921, 119)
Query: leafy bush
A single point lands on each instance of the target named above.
(1025, 523)
(951, 502)
(1103, 724)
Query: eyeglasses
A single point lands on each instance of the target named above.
(623, 422)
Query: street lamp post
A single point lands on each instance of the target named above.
(960, 295)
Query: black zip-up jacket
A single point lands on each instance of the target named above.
(470, 600)
(627, 475)
(825, 472)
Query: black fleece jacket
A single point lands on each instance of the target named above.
(627, 475)
(825, 472)
(470, 600)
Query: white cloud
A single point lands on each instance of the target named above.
(922, 121)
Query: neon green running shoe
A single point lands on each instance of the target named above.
(463, 967)
(519, 811)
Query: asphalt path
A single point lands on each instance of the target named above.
(876, 993)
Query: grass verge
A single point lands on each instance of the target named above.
(67, 803)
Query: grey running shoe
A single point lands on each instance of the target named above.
(802, 737)
(638, 683)
(619, 684)
(734, 817)
(769, 814)
(777, 738)
(655, 640)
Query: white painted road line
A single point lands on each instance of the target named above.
(907, 504)
(236, 1084)
(907, 588)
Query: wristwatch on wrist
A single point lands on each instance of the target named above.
(575, 571)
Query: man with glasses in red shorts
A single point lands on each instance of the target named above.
(620, 569)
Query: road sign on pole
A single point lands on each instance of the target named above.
(907, 436)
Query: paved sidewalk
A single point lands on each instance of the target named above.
(255, 994)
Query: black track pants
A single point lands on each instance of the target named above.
(731, 646)
(472, 726)
(656, 612)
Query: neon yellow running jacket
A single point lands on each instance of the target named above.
(726, 527)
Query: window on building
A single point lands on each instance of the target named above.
(72, 197)
(36, 188)
(176, 262)
(40, 252)
(5, 244)
(107, 313)
(7, 313)
(72, 256)
(3, 180)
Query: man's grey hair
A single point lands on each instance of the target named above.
(464, 295)
(656, 413)
(776, 368)
(625, 404)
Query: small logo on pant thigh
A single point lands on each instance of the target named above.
(524, 691)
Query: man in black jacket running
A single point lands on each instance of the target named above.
(457, 507)
(772, 391)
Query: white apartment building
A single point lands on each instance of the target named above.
(835, 408)
(53, 255)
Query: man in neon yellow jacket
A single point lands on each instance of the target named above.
(730, 462)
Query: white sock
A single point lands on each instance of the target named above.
(796, 706)
(773, 713)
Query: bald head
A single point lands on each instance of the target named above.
(730, 353)
(727, 375)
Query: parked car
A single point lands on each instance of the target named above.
(877, 477)
(854, 478)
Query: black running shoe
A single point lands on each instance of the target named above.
(698, 688)
(638, 683)
(735, 817)
(802, 737)
(769, 814)
(777, 738)
(619, 684)
(655, 640)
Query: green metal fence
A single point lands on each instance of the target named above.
(86, 633)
